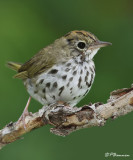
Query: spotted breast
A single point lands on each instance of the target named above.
(68, 82)
(63, 71)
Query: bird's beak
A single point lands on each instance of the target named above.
(99, 44)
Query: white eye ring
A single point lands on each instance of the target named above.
(81, 45)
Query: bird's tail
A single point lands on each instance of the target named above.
(14, 65)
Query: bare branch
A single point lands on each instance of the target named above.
(66, 119)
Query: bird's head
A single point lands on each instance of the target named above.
(83, 43)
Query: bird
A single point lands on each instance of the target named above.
(62, 72)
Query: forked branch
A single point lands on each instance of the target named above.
(66, 119)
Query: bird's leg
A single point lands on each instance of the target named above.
(25, 113)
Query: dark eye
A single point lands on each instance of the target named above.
(81, 45)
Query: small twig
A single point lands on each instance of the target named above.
(67, 119)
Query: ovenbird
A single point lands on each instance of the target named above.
(63, 71)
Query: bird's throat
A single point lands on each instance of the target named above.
(92, 53)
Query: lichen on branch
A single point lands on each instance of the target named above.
(66, 119)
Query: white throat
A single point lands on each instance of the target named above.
(92, 53)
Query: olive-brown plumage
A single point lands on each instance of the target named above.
(63, 71)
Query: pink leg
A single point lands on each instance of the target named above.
(25, 113)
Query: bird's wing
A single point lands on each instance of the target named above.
(41, 62)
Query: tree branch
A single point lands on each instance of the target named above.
(66, 119)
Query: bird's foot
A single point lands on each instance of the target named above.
(63, 103)
(52, 107)
(93, 107)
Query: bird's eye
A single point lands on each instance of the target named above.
(81, 45)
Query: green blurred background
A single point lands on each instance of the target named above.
(26, 27)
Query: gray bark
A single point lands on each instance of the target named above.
(66, 119)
